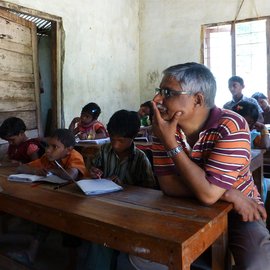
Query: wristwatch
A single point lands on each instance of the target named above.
(173, 152)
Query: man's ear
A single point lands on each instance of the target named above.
(198, 99)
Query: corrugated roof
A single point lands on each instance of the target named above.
(43, 26)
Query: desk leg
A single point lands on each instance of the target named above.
(221, 259)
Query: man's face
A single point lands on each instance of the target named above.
(235, 88)
(120, 144)
(176, 102)
(56, 150)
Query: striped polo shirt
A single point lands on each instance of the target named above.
(222, 151)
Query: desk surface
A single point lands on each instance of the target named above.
(137, 220)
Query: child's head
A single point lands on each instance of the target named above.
(89, 113)
(262, 100)
(123, 127)
(249, 111)
(236, 85)
(146, 108)
(60, 143)
(13, 130)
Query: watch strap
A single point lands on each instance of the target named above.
(173, 152)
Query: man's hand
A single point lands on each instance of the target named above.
(164, 129)
(248, 208)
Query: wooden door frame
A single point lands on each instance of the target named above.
(57, 57)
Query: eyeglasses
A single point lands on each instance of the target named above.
(166, 93)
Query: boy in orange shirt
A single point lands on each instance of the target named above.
(60, 149)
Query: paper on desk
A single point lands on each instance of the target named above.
(28, 178)
(98, 186)
(97, 141)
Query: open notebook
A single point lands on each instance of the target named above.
(93, 186)
(28, 178)
(97, 186)
(96, 141)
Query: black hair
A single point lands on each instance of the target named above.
(246, 108)
(149, 105)
(93, 109)
(124, 123)
(259, 95)
(236, 79)
(65, 136)
(12, 126)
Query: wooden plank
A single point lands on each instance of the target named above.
(15, 47)
(12, 61)
(16, 89)
(36, 77)
(14, 32)
(12, 17)
(29, 117)
(19, 105)
(16, 77)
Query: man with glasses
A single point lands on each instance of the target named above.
(203, 151)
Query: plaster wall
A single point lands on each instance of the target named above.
(101, 53)
(170, 32)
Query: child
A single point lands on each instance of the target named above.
(259, 136)
(87, 126)
(60, 148)
(21, 149)
(263, 102)
(122, 162)
(146, 113)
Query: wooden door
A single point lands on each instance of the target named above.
(19, 80)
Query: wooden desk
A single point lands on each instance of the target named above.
(138, 221)
(256, 167)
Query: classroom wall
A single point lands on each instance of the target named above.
(116, 50)
(101, 53)
(170, 32)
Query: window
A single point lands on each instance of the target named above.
(237, 49)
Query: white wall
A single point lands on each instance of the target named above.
(170, 32)
(115, 58)
(101, 53)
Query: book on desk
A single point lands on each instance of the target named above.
(88, 186)
(31, 178)
(92, 187)
(96, 141)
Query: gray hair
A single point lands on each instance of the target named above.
(195, 78)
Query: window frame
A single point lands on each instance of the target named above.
(233, 43)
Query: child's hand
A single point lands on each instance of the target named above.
(75, 120)
(116, 179)
(41, 172)
(82, 136)
(95, 173)
(259, 126)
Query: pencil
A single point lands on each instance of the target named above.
(62, 185)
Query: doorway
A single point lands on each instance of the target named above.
(50, 50)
